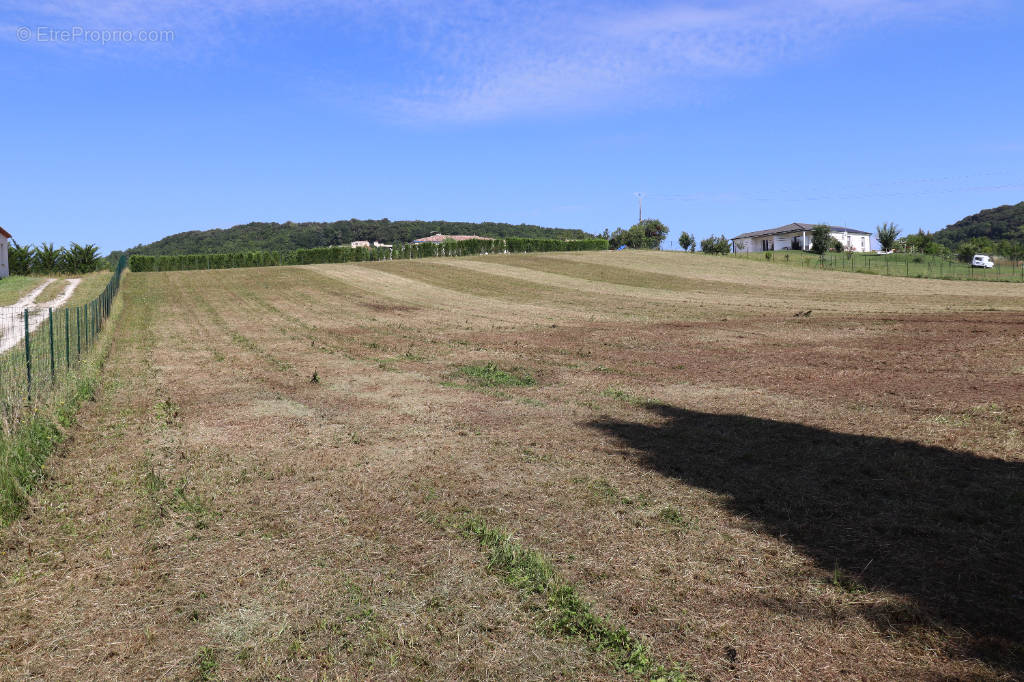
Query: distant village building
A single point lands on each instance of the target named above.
(365, 245)
(5, 262)
(797, 237)
(437, 238)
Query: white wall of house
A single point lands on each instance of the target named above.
(5, 265)
(784, 242)
(853, 242)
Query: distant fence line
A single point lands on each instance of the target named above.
(345, 254)
(50, 344)
(894, 265)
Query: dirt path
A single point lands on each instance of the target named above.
(12, 327)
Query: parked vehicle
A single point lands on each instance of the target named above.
(981, 261)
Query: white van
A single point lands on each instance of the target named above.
(981, 261)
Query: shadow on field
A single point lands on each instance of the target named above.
(944, 528)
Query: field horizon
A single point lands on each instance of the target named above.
(586, 465)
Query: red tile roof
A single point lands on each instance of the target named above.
(5, 233)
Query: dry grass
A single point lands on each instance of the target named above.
(13, 288)
(752, 494)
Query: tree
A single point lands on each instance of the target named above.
(619, 237)
(821, 239)
(970, 247)
(46, 258)
(888, 233)
(80, 258)
(835, 245)
(687, 242)
(715, 245)
(646, 234)
(19, 259)
(654, 232)
(1011, 250)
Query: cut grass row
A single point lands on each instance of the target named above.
(566, 613)
(25, 447)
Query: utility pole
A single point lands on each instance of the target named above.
(640, 205)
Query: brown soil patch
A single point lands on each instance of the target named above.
(756, 496)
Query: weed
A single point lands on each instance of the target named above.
(674, 517)
(166, 412)
(192, 504)
(840, 579)
(315, 379)
(491, 375)
(569, 614)
(206, 661)
(627, 397)
(152, 482)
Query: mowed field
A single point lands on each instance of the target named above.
(750, 493)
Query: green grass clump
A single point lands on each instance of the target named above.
(25, 448)
(569, 614)
(490, 375)
(627, 397)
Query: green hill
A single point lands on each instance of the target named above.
(289, 236)
(997, 224)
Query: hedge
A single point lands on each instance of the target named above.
(345, 254)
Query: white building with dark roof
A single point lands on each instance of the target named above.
(797, 237)
(5, 259)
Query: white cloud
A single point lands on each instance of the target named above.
(485, 59)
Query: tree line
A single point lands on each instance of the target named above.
(289, 236)
(929, 244)
(47, 259)
(345, 254)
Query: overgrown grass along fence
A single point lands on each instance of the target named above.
(41, 347)
(894, 265)
(345, 254)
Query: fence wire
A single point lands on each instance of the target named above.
(895, 265)
(41, 347)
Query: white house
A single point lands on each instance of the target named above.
(797, 237)
(5, 263)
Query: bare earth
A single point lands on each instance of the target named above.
(12, 329)
(754, 494)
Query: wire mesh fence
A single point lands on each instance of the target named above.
(896, 265)
(41, 347)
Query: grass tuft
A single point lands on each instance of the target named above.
(570, 615)
(206, 662)
(627, 397)
(491, 375)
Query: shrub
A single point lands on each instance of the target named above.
(715, 245)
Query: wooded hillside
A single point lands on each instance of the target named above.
(290, 236)
(997, 224)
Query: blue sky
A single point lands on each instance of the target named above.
(729, 116)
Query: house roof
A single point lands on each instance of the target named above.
(795, 227)
(4, 233)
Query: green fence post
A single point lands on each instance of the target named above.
(53, 360)
(85, 309)
(28, 357)
(67, 339)
(78, 327)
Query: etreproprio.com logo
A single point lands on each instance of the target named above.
(80, 34)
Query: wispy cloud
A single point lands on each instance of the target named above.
(485, 59)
